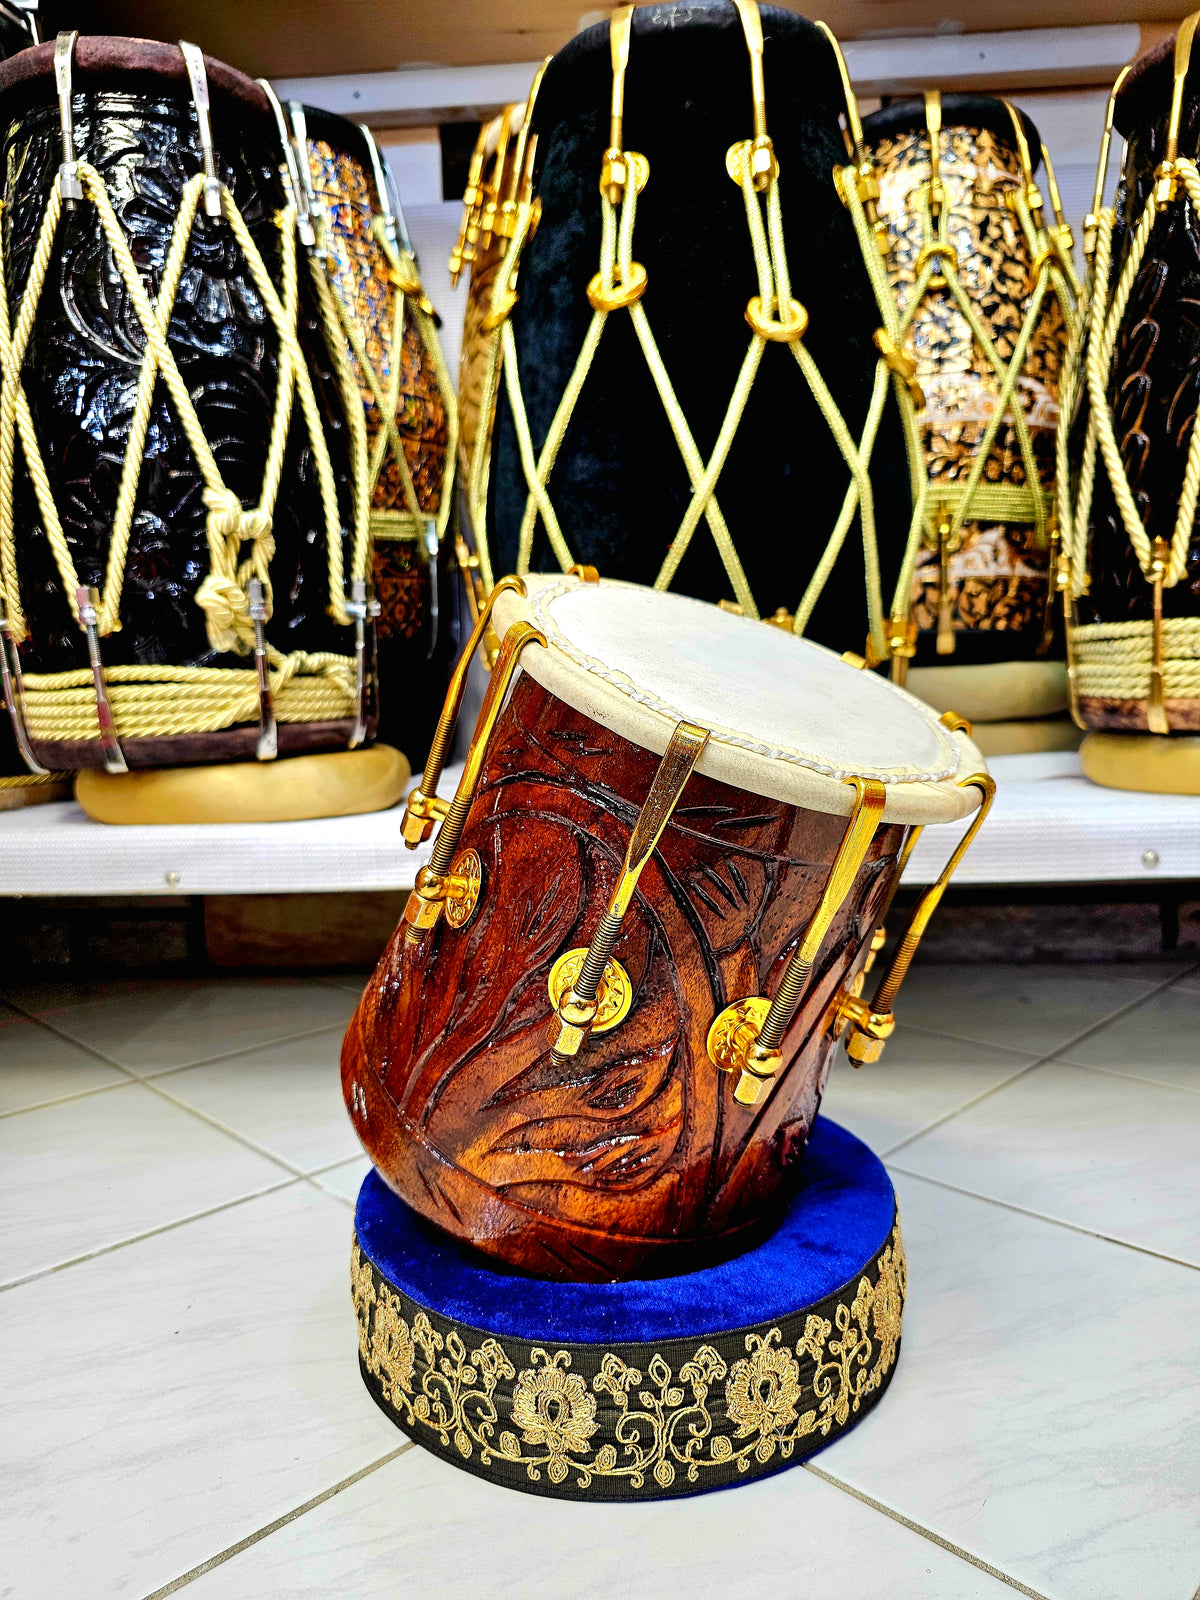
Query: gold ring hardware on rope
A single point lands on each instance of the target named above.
(500, 314)
(625, 291)
(932, 252)
(768, 327)
(614, 174)
(902, 364)
(764, 164)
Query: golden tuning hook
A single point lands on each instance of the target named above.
(423, 808)
(1168, 180)
(1091, 223)
(746, 1037)
(867, 182)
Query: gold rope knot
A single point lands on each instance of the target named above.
(222, 595)
(227, 614)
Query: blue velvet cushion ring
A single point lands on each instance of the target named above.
(646, 1388)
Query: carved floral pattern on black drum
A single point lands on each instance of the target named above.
(364, 283)
(81, 376)
(998, 576)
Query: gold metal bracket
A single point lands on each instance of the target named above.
(871, 1023)
(782, 618)
(746, 1037)
(423, 808)
(435, 885)
(764, 164)
(1166, 189)
(584, 572)
(948, 542)
(956, 724)
(1091, 223)
(898, 360)
(619, 166)
(578, 1006)
(902, 646)
(1156, 714)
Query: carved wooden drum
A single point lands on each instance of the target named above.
(596, 1045)
(385, 325)
(179, 545)
(1130, 519)
(979, 266)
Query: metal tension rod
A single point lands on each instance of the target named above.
(747, 1036)
(448, 877)
(873, 1021)
(582, 979)
(423, 808)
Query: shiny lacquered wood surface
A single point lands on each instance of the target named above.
(632, 1159)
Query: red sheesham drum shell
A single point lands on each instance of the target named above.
(633, 1160)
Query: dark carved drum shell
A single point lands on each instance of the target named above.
(134, 121)
(632, 1159)
(998, 588)
(1152, 391)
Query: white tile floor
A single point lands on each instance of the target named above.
(183, 1411)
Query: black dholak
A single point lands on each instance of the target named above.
(687, 389)
(183, 567)
(1132, 566)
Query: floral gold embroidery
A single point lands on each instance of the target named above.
(710, 1421)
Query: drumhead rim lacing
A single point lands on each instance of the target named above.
(230, 526)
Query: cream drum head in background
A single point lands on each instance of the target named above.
(999, 691)
(1146, 762)
(788, 719)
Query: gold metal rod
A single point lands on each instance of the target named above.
(436, 883)
(885, 996)
(870, 798)
(420, 810)
(1091, 222)
(933, 122)
(578, 1006)
(619, 29)
(516, 639)
(1183, 57)
(752, 27)
(674, 770)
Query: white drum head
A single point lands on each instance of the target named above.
(788, 719)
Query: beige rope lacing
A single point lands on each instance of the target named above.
(230, 526)
(1147, 660)
(614, 288)
(972, 499)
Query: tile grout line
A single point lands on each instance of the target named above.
(915, 1527)
(252, 1539)
(1040, 1061)
(965, 1105)
(205, 1061)
(149, 1233)
(66, 1099)
(1128, 1077)
(1042, 1216)
(243, 1139)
